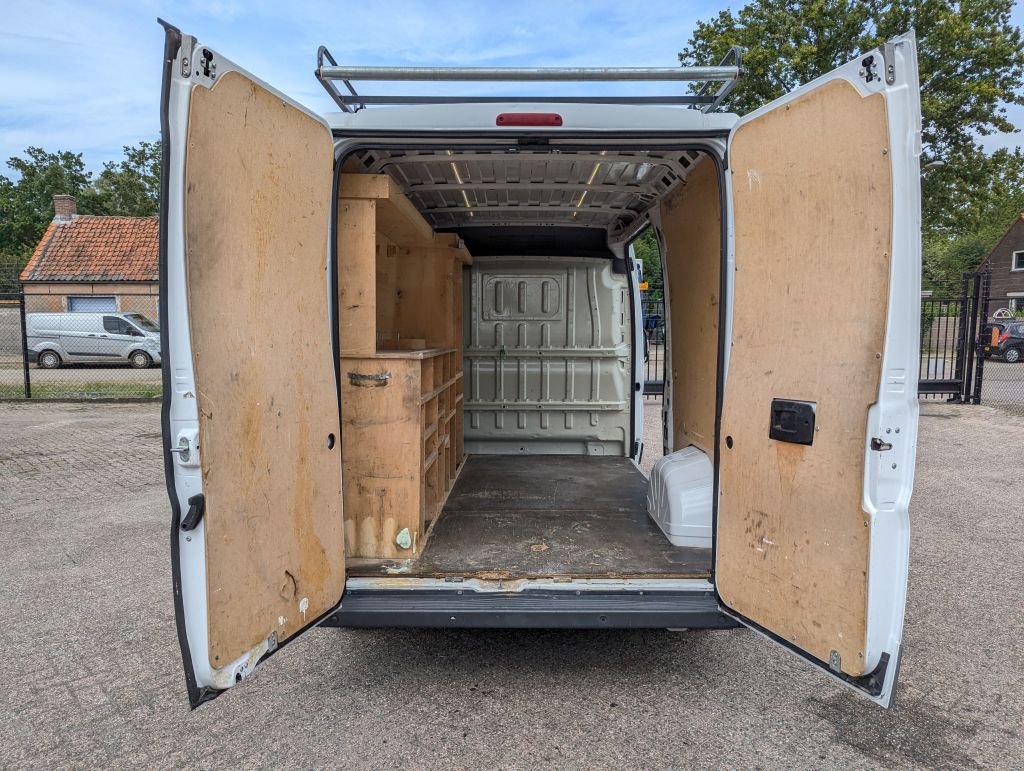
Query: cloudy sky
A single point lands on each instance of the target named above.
(85, 76)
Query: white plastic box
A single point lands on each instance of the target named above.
(679, 497)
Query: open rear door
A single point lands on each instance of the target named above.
(251, 417)
(819, 412)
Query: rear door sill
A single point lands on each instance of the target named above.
(532, 608)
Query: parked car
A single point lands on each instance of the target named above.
(1009, 346)
(55, 339)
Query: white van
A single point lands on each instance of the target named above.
(403, 359)
(54, 339)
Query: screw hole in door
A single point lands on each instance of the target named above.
(728, 442)
(330, 441)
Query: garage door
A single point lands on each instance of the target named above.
(92, 304)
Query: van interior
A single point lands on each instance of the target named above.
(489, 363)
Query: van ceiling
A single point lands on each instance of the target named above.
(460, 190)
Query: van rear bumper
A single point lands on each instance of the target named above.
(533, 609)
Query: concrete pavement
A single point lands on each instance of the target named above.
(92, 677)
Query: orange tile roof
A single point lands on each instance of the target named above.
(93, 248)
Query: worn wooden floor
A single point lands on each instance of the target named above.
(512, 516)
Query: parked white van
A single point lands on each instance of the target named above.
(54, 339)
(403, 359)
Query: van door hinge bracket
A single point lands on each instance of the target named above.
(196, 509)
(835, 662)
(187, 46)
(877, 445)
(889, 56)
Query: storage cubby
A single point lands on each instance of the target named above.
(400, 334)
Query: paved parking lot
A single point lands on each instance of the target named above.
(91, 674)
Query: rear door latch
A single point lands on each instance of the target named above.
(879, 446)
(187, 450)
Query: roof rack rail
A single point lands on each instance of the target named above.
(726, 73)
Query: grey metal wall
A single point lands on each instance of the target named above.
(548, 358)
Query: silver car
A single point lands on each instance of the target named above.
(71, 338)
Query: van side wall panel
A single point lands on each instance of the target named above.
(548, 356)
(691, 222)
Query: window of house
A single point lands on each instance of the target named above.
(1015, 300)
(1018, 261)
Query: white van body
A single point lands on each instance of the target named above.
(91, 338)
(784, 233)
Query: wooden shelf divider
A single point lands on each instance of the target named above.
(400, 330)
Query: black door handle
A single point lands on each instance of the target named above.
(196, 508)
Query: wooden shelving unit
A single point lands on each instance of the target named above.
(400, 328)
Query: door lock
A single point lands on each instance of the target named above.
(184, 449)
(187, 449)
(877, 445)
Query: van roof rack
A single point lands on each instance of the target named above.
(725, 73)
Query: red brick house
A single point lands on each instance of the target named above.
(93, 263)
(1006, 263)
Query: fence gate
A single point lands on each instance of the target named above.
(652, 309)
(950, 327)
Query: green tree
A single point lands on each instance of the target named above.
(131, 186)
(995, 203)
(971, 63)
(26, 204)
(645, 248)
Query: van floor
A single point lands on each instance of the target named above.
(514, 516)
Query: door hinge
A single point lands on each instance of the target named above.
(835, 661)
(889, 57)
(878, 445)
(869, 65)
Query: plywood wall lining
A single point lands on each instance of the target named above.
(258, 181)
(691, 224)
(812, 191)
(381, 442)
(401, 290)
(357, 275)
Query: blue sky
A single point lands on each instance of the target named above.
(85, 76)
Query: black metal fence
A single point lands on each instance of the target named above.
(652, 307)
(14, 372)
(1001, 353)
(950, 327)
(972, 345)
(91, 352)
